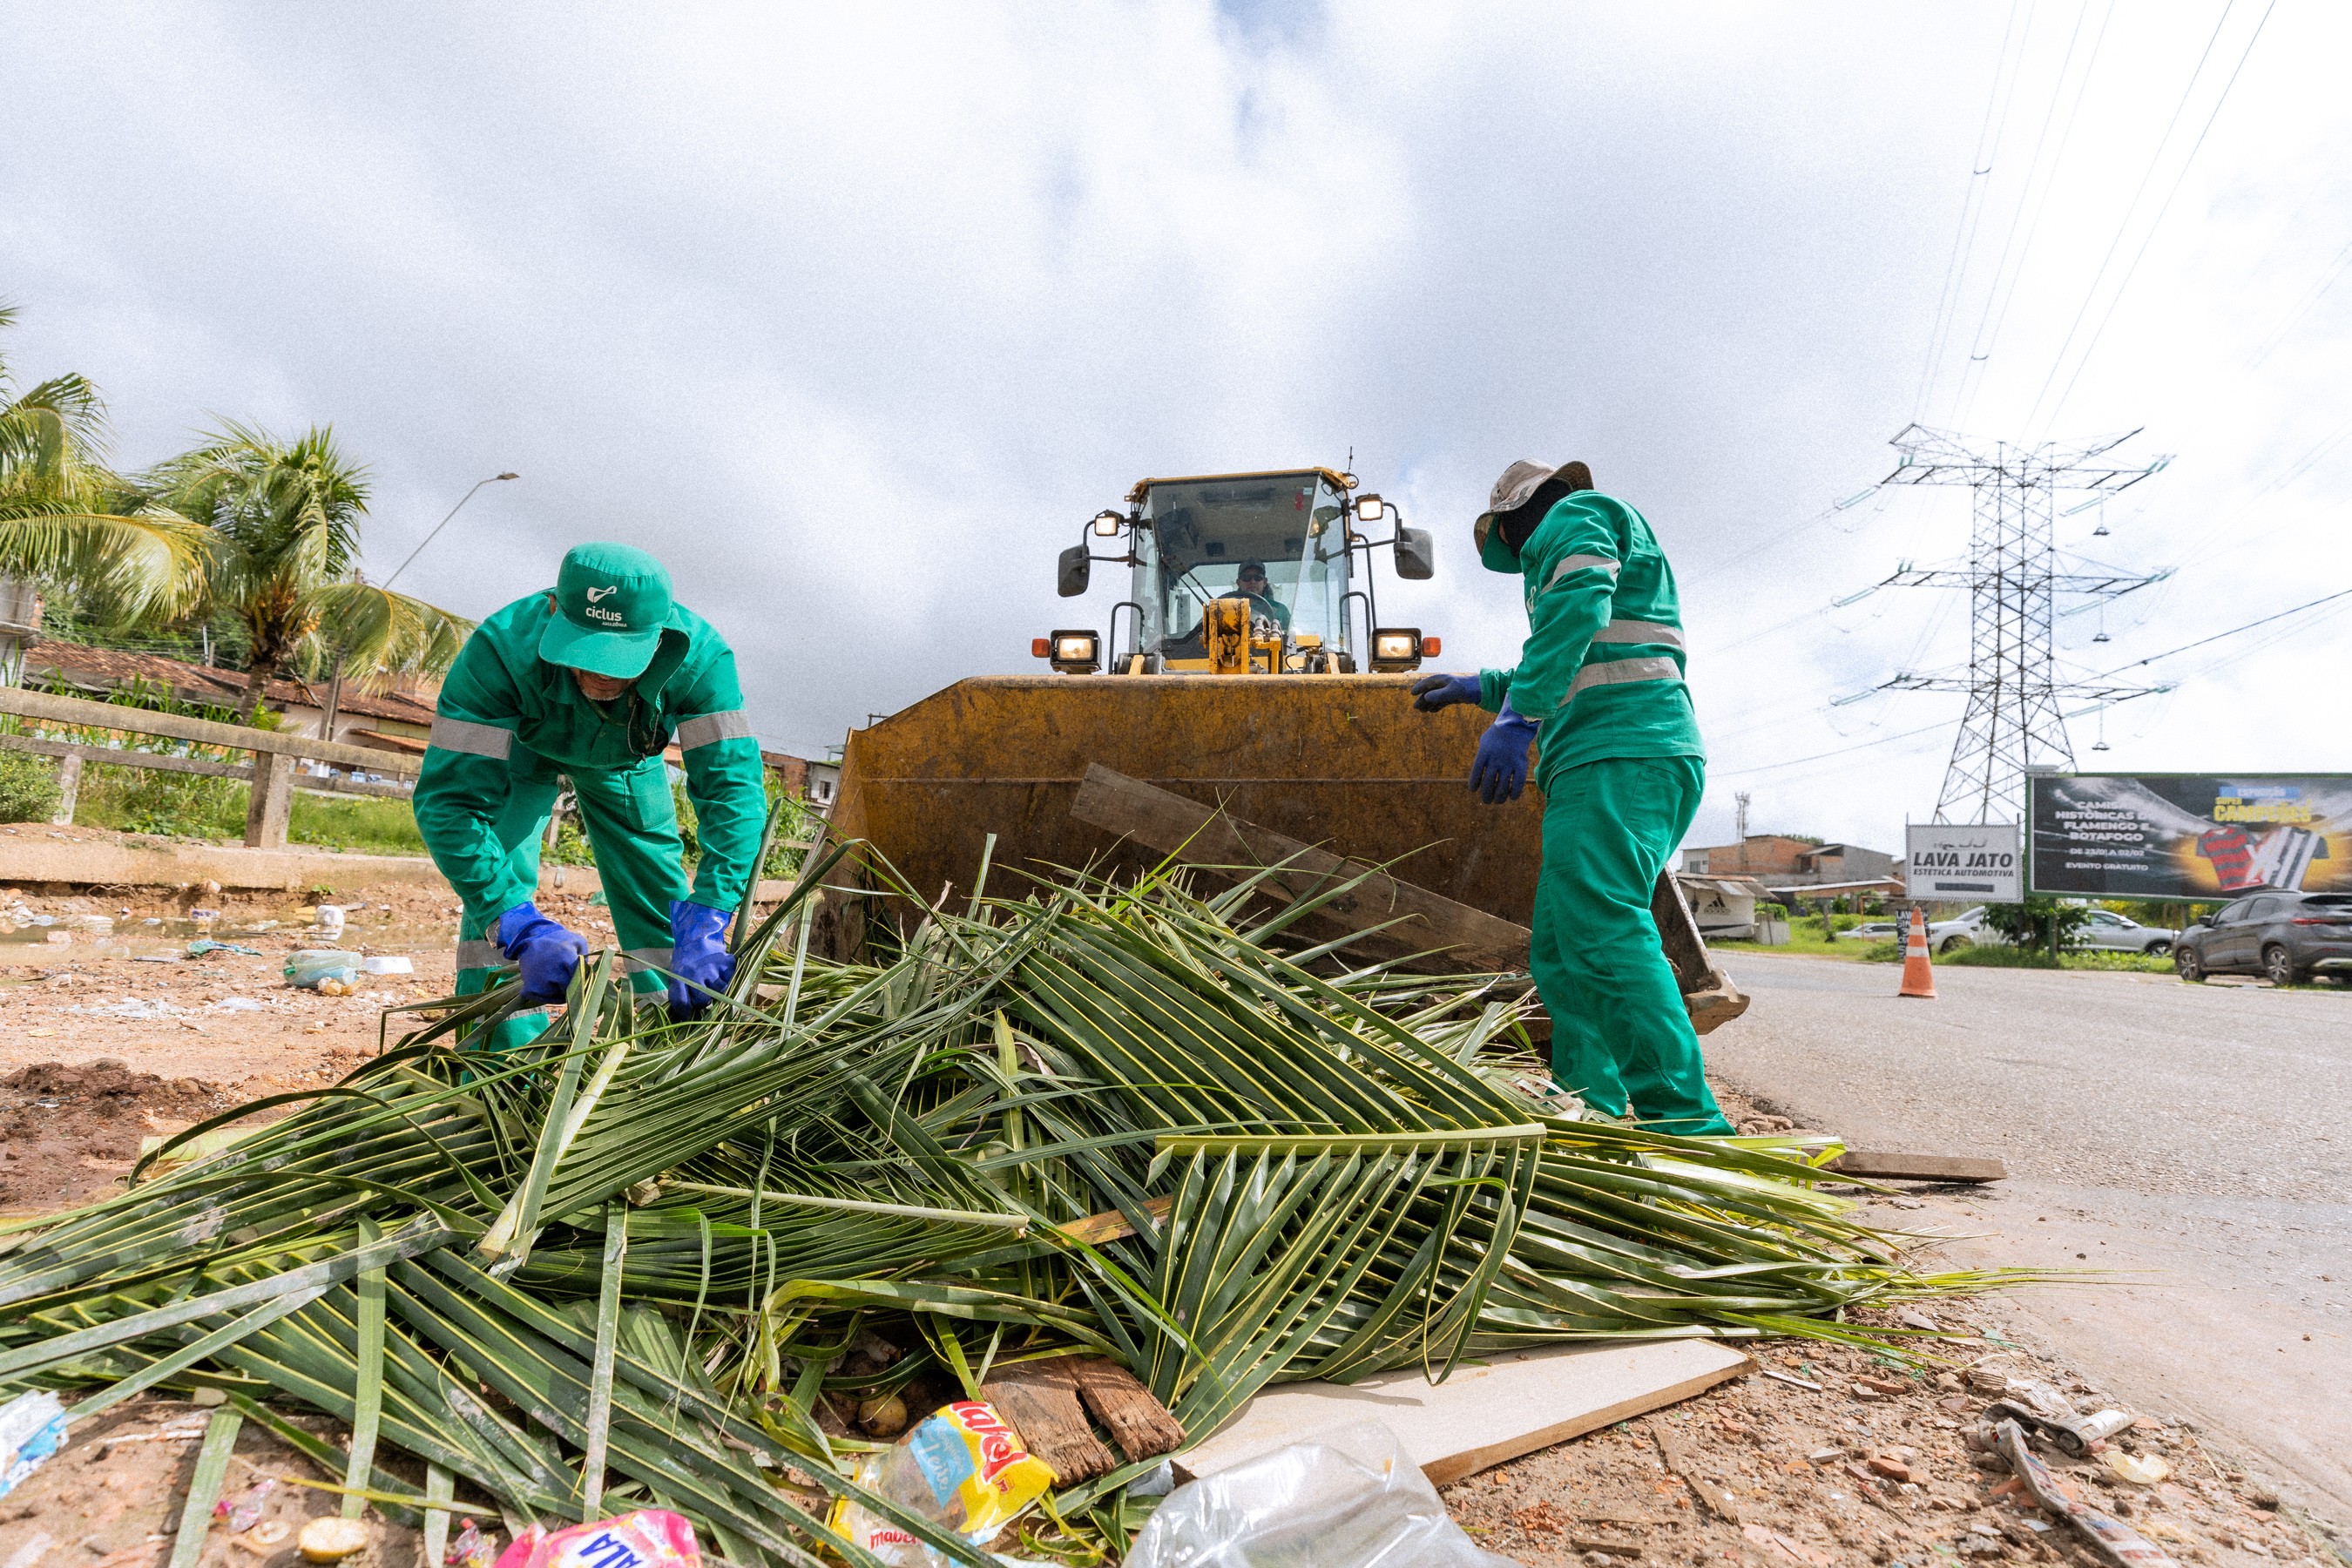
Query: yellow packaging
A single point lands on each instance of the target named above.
(961, 1466)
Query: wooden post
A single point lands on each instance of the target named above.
(273, 796)
(68, 790)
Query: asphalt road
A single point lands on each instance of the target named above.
(2194, 1138)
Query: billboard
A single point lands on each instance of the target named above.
(1977, 861)
(2189, 835)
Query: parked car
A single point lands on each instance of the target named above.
(1963, 930)
(2289, 937)
(1872, 930)
(2113, 932)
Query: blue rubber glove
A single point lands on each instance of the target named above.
(1432, 692)
(697, 956)
(1500, 770)
(549, 954)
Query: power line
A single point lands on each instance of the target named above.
(2149, 238)
(2130, 207)
(2049, 184)
(2217, 637)
(1947, 296)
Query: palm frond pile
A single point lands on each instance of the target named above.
(625, 1265)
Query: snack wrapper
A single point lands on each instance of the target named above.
(647, 1538)
(962, 1466)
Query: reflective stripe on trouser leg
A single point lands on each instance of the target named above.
(519, 823)
(1621, 1034)
(632, 825)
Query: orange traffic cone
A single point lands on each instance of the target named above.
(1918, 971)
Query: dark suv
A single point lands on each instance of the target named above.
(2289, 937)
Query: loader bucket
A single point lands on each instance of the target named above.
(1343, 762)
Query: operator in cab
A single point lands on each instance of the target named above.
(590, 680)
(1250, 584)
(1599, 680)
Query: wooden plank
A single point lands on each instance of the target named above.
(123, 757)
(1888, 1163)
(1485, 1414)
(178, 727)
(1138, 1424)
(269, 805)
(1678, 934)
(1202, 836)
(1040, 1399)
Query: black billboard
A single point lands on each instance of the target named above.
(2189, 836)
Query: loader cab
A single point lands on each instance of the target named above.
(1187, 611)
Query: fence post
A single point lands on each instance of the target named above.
(273, 796)
(68, 790)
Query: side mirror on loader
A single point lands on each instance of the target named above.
(1075, 570)
(1416, 556)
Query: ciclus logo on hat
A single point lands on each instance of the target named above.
(613, 602)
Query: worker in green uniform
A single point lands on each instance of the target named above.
(591, 680)
(1600, 680)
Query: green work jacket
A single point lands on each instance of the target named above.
(506, 715)
(1601, 669)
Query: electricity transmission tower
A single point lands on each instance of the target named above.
(2014, 721)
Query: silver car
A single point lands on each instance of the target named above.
(2112, 932)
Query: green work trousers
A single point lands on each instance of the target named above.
(1620, 1037)
(632, 826)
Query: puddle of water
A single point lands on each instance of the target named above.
(158, 936)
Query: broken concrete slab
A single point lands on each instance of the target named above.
(1510, 1404)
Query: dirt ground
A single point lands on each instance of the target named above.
(101, 1048)
(110, 1035)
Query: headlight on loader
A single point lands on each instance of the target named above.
(1076, 653)
(1397, 648)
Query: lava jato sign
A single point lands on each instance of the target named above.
(1976, 861)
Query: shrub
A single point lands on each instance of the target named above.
(28, 787)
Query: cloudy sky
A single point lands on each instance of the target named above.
(855, 314)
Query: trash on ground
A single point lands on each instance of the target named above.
(961, 1468)
(314, 968)
(2110, 1537)
(32, 1427)
(470, 1549)
(245, 1512)
(1349, 1498)
(205, 944)
(2139, 1469)
(647, 1538)
(330, 1538)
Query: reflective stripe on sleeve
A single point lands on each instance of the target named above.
(477, 740)
(1579, 562)
(733, 725)
(480, 954)
(1640, 632)
(637, 960)
(1620, 671)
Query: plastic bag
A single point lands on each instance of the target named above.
(961, 1466)
(32, 1427)
(647, 1538)
(314, 966)
(1349, 1498)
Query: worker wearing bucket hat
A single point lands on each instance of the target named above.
(1600, 680)
(591, 681)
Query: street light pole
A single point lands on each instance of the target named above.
(437, 527)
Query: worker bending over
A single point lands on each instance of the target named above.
(590, 681)
(1600, 678)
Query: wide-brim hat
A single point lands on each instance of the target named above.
(1513, 491)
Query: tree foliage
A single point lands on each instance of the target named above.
(2039, 924)
(67, 520)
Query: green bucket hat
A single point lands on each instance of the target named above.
(1513, 491)
(612, 602)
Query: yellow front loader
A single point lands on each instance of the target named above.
(1255, 673)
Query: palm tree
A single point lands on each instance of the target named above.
(283, 549)
(69, 521)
